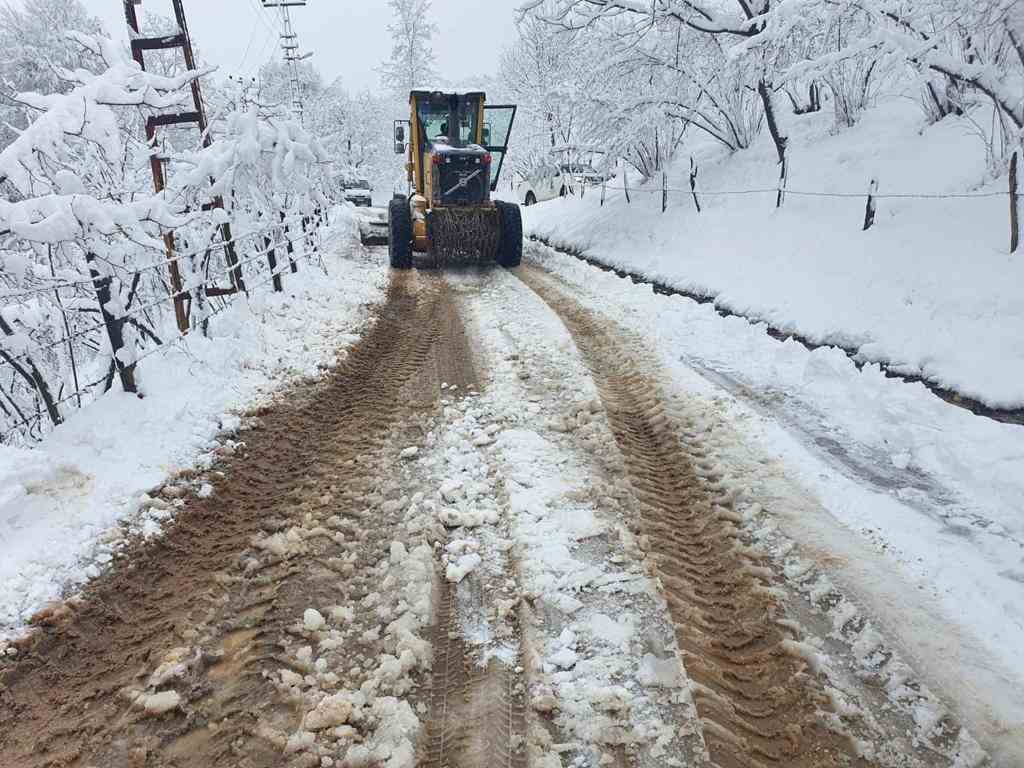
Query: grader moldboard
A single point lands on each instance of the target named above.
(456, 146)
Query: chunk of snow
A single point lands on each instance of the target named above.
(663, 673)
(331, 711)
(159, 703)
(312, 620)
(458, 570)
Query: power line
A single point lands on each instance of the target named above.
(290, 48)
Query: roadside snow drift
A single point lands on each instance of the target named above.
(931, 289)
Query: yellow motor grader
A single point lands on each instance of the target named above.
(456, 145)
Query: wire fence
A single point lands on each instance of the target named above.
(23, 357)
(870, 194)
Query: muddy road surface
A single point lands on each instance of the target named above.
(493, 534)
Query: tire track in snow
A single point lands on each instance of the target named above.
(757, 698)
(599, 656)
(476, 717)
(216, 604)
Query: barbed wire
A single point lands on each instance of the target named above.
(806, 193)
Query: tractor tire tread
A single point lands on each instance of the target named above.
(399, 234)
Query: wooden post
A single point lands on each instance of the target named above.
(231, 254)
(664, 191)
(783, 171)
(625, 182)
(1014, 206)
(869, 210)
(693, 183)
(268, 243)
(115, 325)
(604, 184)
(290, 247)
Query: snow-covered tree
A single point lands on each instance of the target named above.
(632, 24)
(84, 237)
(34, 49)
(412, 57)
(274, 87)
(968, 54)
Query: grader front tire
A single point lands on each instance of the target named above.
(400, 234)
(510, 250)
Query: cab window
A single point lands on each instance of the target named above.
(434, 114)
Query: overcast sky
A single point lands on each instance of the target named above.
(348, 37)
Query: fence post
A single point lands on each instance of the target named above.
(604, 184)
(290, 247)
(268, 243)
(231, 255)
(783, 172)
(115, 325)
(625, 182)
(693, 183)
(869, 210)
(1014, 205)
(180, 313)
(664, 191)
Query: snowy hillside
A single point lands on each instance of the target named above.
(930, 289)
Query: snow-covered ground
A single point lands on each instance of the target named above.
(912, 504)
(930, 290)
(63, 503)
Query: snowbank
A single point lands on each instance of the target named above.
(60, 504)
(930, 289)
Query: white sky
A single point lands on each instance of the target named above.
(348, 37)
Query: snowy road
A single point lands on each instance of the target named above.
(497, 533)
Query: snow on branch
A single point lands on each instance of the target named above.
(256, 159)
(85, 113)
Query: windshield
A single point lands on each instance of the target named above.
(435, 112)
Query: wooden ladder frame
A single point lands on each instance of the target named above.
(197, 116)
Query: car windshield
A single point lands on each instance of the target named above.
(435, 112)
(361, 185)
(578, 168)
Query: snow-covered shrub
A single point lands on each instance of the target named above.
(81, 224)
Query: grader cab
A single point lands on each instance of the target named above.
(456, 145)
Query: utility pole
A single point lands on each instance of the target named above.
(290, 47)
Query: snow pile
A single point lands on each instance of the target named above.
(373, 724)
(61, 503)
(929, 290)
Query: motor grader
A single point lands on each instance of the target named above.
(455, 149)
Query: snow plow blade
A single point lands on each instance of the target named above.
(463, 235)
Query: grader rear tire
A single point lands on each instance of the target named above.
(510, 250)
(400, 234)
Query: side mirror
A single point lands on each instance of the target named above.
(399, 134)
(487, 135)
(399, 147)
